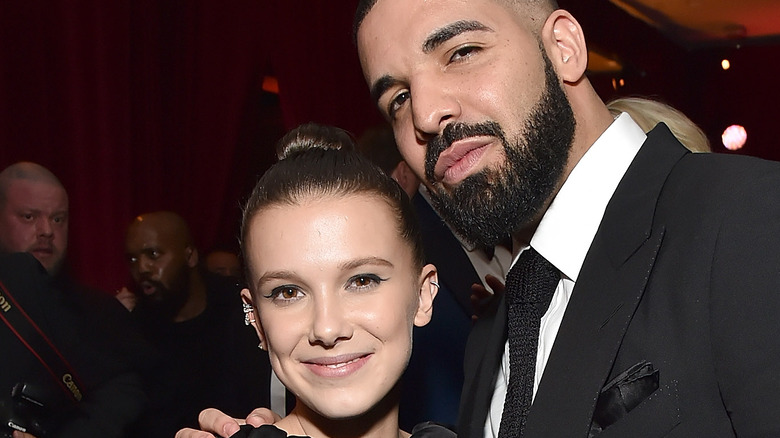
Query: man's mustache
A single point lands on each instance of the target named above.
(456, 132)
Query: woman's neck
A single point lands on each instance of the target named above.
(379, 422)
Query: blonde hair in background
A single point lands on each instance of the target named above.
(647, 113)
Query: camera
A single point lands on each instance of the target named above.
(25, 411)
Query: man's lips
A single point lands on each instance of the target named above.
(456, 161)
(148, 288)
(46, 250)
(337, 366)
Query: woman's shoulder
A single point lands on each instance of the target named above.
(429, 429)
(264, 431)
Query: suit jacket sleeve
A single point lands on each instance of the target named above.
(745, 307)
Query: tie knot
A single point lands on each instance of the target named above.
(532, 279)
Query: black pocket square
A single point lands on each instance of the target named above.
(622, 394)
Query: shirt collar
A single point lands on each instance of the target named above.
(567, 228)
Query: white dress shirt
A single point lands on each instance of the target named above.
(565, 234)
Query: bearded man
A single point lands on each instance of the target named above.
(194, 319)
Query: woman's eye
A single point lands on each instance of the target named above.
(364, 281)
(285, 293)
(397, 102)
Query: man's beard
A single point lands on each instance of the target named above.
(166, 302)
(489, 206)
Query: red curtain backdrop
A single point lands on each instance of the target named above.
(144, 105)
(136, 106)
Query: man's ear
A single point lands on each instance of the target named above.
(406, 178)
(429, 287)
(565, 44)
(254, 318)
(191, 254)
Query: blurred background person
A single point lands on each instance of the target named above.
(91, 329)
(222, 260)
(648, 112)
(206, 356)
(34, 214)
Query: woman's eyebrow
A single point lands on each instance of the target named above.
(443, 34)
(377, 261)
(274, 275)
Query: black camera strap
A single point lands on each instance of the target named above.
(35, 340)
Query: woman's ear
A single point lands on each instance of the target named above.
(252, 317)
(565, 44)
(429, 287)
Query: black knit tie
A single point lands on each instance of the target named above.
(530, 285)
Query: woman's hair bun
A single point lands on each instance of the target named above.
(314, 136)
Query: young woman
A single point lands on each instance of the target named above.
(336, 283)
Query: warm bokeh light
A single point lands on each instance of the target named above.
(270, 84)
(734, 137)
(617, 83)
(726, 64)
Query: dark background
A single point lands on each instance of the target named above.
(145, 105)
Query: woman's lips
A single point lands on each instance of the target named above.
(337, 366)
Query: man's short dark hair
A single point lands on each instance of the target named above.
(364, 7)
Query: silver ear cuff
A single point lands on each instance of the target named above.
(248, 309)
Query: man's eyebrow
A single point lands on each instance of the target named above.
(381, 85)
(443, 34)
(434, 40)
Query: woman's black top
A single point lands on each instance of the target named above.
(422, 430)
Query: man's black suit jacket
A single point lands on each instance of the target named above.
(683, 273)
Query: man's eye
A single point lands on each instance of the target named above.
(28, 217)
(463, 52)
(132, 260)
(398, 102)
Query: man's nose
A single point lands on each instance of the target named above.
(433, 106)
(144, 265)
(43, 227)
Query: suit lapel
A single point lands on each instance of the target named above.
(608, 290)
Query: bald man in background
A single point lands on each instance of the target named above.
(90, 330)
(34, 214)
(194, 318)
